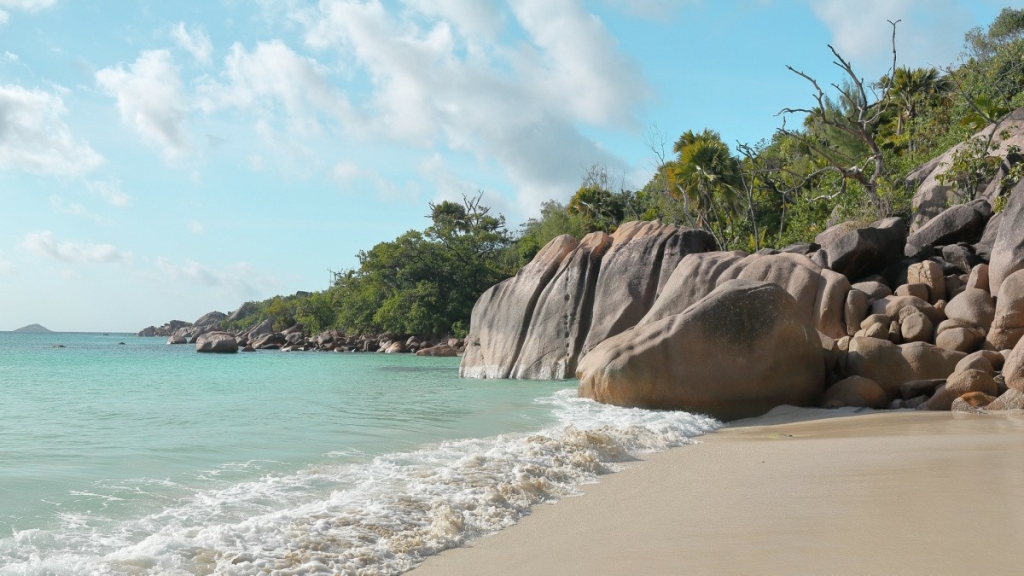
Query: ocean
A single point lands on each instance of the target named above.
(123, 455)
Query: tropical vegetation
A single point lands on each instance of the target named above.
(845, 155)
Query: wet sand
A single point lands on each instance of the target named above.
(794, 492)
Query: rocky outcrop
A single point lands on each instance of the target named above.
(637, 265)
(217, 342)
(740, 351)
(563, 315)
(1008, 248)
(859, 252)
(501, 317)
(903, 336)
(932, 196)
(571, 297)
(959, 223)
(821, 295)
(164, 331)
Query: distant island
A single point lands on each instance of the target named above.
(33, 328)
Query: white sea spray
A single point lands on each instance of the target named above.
(381, 516)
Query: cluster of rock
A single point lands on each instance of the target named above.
(654, 316)
(164, 331)
(207, 335)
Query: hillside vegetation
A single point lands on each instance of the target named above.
(843, 155)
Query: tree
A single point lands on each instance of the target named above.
(705, 178)
(855, 115)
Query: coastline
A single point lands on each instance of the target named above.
(794, 491)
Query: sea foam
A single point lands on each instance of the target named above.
(377, 516)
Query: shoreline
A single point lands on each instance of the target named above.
(794, 491)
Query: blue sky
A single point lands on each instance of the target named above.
(159, 159)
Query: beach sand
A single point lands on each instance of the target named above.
(794, 492)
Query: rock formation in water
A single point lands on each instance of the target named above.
(740, 351)
(653, 316)
(571, 297)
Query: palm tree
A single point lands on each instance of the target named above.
(705, 176)
(909, 88)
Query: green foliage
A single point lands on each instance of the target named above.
(849, 159)
(427, 283)
(971, 167)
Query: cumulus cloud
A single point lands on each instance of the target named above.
(272, 77)
(930, 32)
(520, 103)
(34, 137)
(151, 99)
(195, 41)
(25, 5)
(242, 279)
(45, 245)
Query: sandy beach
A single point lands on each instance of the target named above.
(794, 492)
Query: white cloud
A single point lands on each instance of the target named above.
(151, 99)
(273, 77)
(241, 278)
(196, 42)
(472, 18)
(435, 83)
(35, 139)
(44, 244)
(196, 227)
(26, 5)
(346, 171)
(930, 32)
(110, 190)
(74, 209)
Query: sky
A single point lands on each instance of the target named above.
(160, 160)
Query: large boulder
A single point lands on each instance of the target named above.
(855, 391)
(864, 251)
(891, 366)
(501, 316)
(261, 329)
(739, 352)
(439, 351)
(959, 384)
(571, 297)
(1013, 369)
(972, 307)
(243, 311)
(1008, 249)
(1008, 320)
(959, 223)
(272, 341)
(217, 342)
(635, 268)
(210, 320)
(563, 315)
(821, 294)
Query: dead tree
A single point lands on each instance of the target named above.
(860, 121)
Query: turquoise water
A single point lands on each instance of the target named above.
(143, 458)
